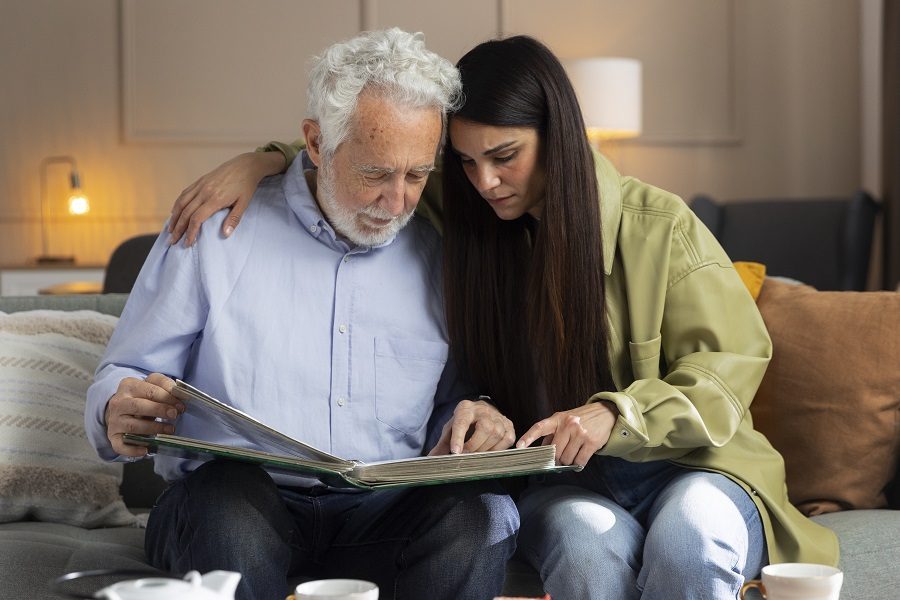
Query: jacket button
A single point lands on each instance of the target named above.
(624, 433)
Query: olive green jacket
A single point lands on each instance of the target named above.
(688, 350)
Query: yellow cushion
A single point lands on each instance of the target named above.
(752, 274)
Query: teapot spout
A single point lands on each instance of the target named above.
(223, 583)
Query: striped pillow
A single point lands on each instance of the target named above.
(48, 469)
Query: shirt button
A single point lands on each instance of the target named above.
(340, 401)
(624, 433)
(313, 228)
(346, 259)
(342, 329)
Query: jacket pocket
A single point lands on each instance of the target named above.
(406, 378)
(645, 358)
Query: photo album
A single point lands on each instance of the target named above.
(294, 456)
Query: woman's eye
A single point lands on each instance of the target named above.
(467, 162)
(505, 157)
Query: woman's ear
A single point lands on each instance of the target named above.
(312, 134)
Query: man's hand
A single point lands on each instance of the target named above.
(577, 433)
(135, 407)
(484, 426)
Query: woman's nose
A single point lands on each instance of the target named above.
(486, 179)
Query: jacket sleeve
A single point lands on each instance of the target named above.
(290, 151)
(698, 351)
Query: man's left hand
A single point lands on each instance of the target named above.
(476, 426)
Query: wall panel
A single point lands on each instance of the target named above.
(687, 49)
(752, 98)
(451, 32)
(222, 70)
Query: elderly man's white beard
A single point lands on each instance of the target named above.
(348, 223)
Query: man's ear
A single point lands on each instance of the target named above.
(313, 136)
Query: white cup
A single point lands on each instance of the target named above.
(797, 581)
(336, 589)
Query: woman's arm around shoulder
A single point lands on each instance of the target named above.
(231, 184)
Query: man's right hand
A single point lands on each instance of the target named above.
(135, 407)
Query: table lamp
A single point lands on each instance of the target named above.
(609, 92)
(77, 205)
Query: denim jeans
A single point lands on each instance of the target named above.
(447, 541)
(622, 531)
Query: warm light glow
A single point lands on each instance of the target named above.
(609, 92)
(78, 203)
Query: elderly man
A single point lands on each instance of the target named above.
(324, 318)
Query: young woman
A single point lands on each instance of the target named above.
(601, 316)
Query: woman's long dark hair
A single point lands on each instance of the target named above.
(525, 298)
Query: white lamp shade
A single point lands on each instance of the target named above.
(609, 92)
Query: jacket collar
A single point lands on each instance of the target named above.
(610, 187)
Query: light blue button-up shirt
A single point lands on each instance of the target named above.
(342, 347)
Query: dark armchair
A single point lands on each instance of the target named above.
(823, 242)
(126, 262)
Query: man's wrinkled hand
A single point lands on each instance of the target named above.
(476, 426)
(142, 406)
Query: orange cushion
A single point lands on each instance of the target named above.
(752, 274)
(830, 399)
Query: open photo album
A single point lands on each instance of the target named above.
(294, 456)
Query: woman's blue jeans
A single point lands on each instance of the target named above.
(447, 541)
(620, 530)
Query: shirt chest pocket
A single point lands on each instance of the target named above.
(645, 358)
(406, 378)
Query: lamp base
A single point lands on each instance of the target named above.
(55, 260)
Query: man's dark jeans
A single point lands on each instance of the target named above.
(446, 541)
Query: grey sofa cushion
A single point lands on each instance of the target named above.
(870, 552)
(33, 553)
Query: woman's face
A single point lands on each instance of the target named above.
(503, 164)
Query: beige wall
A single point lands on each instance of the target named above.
(743, 98)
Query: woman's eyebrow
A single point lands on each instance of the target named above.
(493, 150)
(499, 147)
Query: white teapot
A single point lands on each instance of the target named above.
(215, 585)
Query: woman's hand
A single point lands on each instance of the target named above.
(577, 433)
(485, 427)
(230, 184)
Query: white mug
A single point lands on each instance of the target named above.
(797, 581)
(336, 589)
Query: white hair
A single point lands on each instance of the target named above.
(393, 62)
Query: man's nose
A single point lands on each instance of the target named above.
(486, 179)
(394, 197)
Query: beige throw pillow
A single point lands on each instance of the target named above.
(48, 469)
(830, 399)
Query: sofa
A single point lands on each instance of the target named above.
(40, 543)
